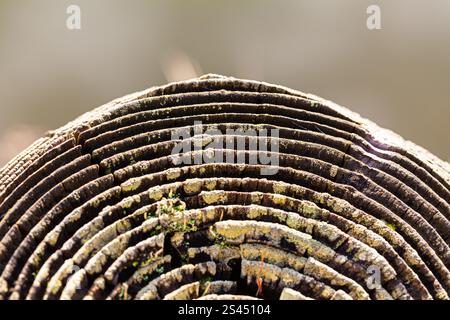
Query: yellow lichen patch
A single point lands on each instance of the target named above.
(211, 197)
(256, 197)
(337, 205)
(309, 209)
(333, 171)
(155, 194)
(320, 198)
(254, 212)
(279, 187)
(253, 269)
(52, 237)
(391, 226)
(293, 221)
(210, 214)
(95, 202)
(192, 186)
(279, 199)
(233, 229)
(173, 173)
(177, 238)
(332, 233)
(320, 252)
(210, 184)
(130, 185)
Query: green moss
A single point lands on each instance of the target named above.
(123, 293)
(173, 195)
(190, 225)
(179, 207)
(220, 241)
(157, 230)
(150, 214)
(205, 280)
(108, 170)
(391, 226)
(184, 259)
(148, 261)
(179, 226)
(170, 206)
(164, 210)
(160, 270)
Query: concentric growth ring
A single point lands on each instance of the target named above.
(132, 201)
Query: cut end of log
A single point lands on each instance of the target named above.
(221, 188)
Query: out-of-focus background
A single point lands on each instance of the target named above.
(398, 76)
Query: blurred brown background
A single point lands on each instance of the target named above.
(398, 77)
